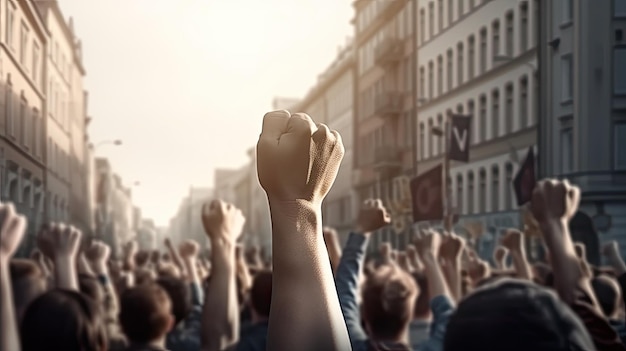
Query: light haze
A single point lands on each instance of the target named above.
(185, 83)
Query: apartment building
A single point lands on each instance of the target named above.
(478, 58)
(23, 39)
(384, 101)
(583, 129)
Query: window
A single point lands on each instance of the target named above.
(509, 41)
(460, 63)
(509, 113)
(495, 113)
(431, 80)
(470, 111)
(422, 151)
(459, 109)
(10, 24)
(35, 69)
(472, 4)
(471, 57)
(440, 14)
(23, 121)
(619, 69)
(10, 109)
(470, 193)
(440, 140)
(483, 50)
(431, 19)
(523, 102)
(450, 70)
(619, 8)
(495, 188)
(567, 11)
(523, 42)
(482, 191)
(461, 8)
(566, 78)
(23, 43)
(422, 82)
(430, 138)
(422, 26)
(36, 132)
(508, 191)
(495, 38)
(620, 145)
(567, 154)
(450, 12)
(482, 128)
(459, 193)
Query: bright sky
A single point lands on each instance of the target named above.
(185, 83)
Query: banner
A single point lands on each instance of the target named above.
(427, 196)
(525, 181)
(460, 138)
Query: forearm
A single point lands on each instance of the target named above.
(102, 271)
(434, 275)
(177, 260)
(220, 315)
(305, 312)
(192, 270)
(452, 273)
(66, 277)
(520, 262)
(10, 340)
(618, 264)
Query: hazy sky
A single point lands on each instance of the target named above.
(185, 83)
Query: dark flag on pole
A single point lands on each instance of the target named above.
(525, 180)
(460, 138)
(426, 195)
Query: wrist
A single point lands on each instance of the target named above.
(300, 213)
(100, 268)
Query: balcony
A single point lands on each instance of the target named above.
(388, 104)
(389, 51)
(387, 158)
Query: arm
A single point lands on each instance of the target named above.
(514, 243)
(175, 257)
(451, 251)
(347, 282)
(243, 272)
(333, 247)
(12, 228)
(66, 241)
(99, 254)
(189, 254)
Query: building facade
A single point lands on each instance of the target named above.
(583, 129)
(187, 223)
(384, 101)
(478, 58)
(23, 38)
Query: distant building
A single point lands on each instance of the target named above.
(187, 223)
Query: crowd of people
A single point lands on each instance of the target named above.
(437, 295)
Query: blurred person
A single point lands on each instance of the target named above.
(254, 338)
(609, 296)
(28, 283)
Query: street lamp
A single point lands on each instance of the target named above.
(116, 142)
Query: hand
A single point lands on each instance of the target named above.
(385, 251)
(188, 249)
(513, 240)
(99, 253)
(499, 254)
(63, 240)
(373, 216)
(297, 160)
(611, 249)
(222, 221)
(13, 227)
(130, 249)
(428, 243)
(452, 247)
(554, 201)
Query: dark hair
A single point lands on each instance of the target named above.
(145, 313)
(179, 294)
(261, 293)
(388, 302)
(91, 287)
(422, 303)
(608, 294)
(63, 320)
(27, 283)
(515, 315)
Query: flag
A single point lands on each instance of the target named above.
(426, 195)
(525, 180)
(460, 138)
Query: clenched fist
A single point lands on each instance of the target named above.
(373, 216)
(12, 226)
(222, 221)
(428, 243)
(297, 160)
(60, 241)
(554, 201)
(452, 247)
(188, 249)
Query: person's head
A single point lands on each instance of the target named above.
(422, 303)
(27, 282)
(180, 295)
(515, 315)
(145, 314)
(388, 303)
(261, 295)
(63, 320)
(608, 294)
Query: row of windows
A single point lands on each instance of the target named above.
(374, 7)
(454, 9)
(59, 104)
(22, 123)
(31, 63)
(58, 160)
(467, 60)
(489, 120)
(488, 190)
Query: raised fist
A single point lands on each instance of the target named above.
(297, 160)
(428, 242)
(452, 247)
(188, 249)
(98, 252)
(554, 200)
(385, 251)
(499, 255)
(373, 216)
(222, 221)
(512, 240)
(61, 240)
(12, 226)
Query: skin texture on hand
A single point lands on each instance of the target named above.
(63, 242)
(297, 162)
